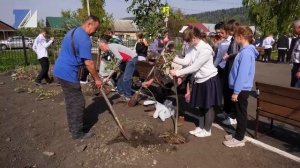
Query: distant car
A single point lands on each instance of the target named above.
(16, 42)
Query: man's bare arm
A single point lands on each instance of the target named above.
(90, 65)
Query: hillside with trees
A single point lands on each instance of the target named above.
(239, 14)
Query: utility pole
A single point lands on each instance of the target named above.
(88, 7)
(166, 11)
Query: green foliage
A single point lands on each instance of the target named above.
(71, 19)
(12, 58)
(176, 20)
(239, 14)
(28, 32)
(75, 18)
(96, 9)
(273, 16)
(148, 16)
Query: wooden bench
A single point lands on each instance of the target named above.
(278, 103)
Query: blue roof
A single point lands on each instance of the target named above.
(19, 16)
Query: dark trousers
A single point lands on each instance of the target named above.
(227, 92)
(267, 54)
(44, 71)
(281, 55)
(241, 114)
(75, 105)
(294, 81)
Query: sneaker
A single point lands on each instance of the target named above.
(230, 136)
(196, 130)
(234, 143)
(229, 121)
(84, 82)
(37, 82)
(222, 115)
(49, 80)
(125, 99)
(203, 133)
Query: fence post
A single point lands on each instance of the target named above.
(25, 51)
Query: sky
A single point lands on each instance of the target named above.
(118, 8)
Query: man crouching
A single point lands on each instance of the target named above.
(126, 60)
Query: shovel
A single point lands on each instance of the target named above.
(125, 134)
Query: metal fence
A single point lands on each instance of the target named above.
(17, 51)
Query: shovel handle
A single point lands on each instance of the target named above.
(114, 114)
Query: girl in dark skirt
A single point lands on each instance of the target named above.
(206, 91)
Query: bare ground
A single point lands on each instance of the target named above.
(33, 121)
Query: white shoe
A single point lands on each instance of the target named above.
(84, 82)
(234, 143)
(230, 137)
(195, 131)
(229, 121)
(203, 133)
(222, 115)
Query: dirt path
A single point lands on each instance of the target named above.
(30, 126)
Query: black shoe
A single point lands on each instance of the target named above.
(49, 80)
(84, 136)
(37, 82)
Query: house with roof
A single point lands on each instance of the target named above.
(200, 26)
(125, 29)
(55, 22)
(6, 30)
(25, 19)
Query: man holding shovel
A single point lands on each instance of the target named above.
(76, 51)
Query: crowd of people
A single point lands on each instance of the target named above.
(216, 73)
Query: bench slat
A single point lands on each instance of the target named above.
(279, 100)
(293, 93)
(279, 118)
(285, 112)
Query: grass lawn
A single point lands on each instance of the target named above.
(10, 59)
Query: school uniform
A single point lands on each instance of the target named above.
(206, 89)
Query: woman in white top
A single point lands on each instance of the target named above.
(206, 91)
(268, 45)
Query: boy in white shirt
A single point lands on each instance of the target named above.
(40, 46)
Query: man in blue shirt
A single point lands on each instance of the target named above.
(76, 51)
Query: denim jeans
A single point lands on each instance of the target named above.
(125, 80)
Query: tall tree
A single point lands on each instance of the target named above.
(75, 18)
(96, 9)
(273, 16)
(148, 15)
(71, 19)
(177, 19)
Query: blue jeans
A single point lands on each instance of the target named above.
(125, 80)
